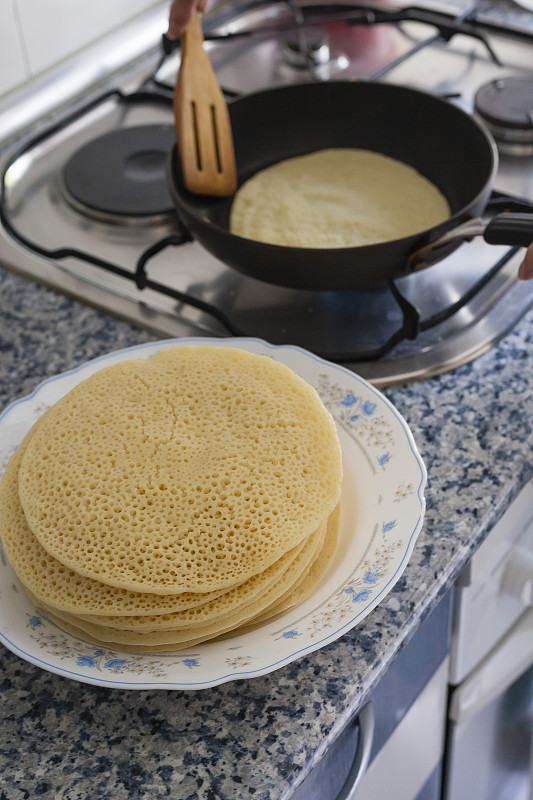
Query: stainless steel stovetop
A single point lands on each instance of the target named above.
(462, 306)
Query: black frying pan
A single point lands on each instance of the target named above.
(449, 147)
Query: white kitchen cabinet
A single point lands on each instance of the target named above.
(13, 67)
(53, 30)
(393, 749)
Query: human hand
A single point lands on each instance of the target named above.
(180, 15)
(525, 270)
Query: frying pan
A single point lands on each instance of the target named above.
(445, 144)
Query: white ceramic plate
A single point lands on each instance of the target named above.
(382, 508)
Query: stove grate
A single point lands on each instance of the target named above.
(411, 322)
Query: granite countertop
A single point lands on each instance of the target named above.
(255, 738)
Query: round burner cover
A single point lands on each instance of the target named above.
(507, 103)
(122, 173)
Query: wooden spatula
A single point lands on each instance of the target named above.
(203, 128)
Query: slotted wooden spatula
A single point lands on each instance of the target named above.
(203, 128)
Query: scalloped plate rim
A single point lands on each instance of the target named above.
(254, 344)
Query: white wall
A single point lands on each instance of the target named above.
(13, 66)
(36, 34)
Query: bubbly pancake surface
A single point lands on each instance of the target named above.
(190, 471)
(343, 197)
(62, 590)
(207, 630)
(321, 546)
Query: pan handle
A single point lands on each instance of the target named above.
(512, 229)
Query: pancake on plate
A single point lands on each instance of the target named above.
(166, 501)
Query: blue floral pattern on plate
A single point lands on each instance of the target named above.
(382, 510)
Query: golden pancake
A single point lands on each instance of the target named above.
(309, 580)
(333, 198)
(146, 642)
(189, 635)
(60, 587)
(190, 471)
(284, 573)
(304, 588)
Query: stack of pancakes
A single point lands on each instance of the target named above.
(168, 501)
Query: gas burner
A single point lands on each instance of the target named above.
(506, 105)
(306, 49)
(308, 52)
(120, 177)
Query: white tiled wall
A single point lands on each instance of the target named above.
(13, 66)
(35, 34)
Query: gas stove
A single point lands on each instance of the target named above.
(85, 207)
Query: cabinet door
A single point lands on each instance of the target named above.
(55, 29)
(408, 711)
(13, 69)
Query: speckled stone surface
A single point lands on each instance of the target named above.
(255, 738)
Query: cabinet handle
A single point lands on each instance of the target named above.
(505, 663)
(517, 580)
(365, 722)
